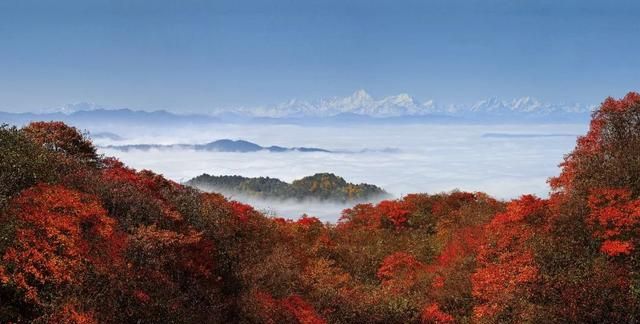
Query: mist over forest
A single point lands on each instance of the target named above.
(398, 158)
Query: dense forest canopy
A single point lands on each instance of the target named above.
(320, 186)
(85, 239)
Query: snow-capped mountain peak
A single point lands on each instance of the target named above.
(360, 95)
(361, 102)
(525, 105)
(402, 99)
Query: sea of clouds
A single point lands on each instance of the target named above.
(505, 161)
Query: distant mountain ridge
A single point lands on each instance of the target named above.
(360, 107)
(223, 145)
(320, 186)
(105, 117)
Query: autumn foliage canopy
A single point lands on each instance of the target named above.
(85, 239)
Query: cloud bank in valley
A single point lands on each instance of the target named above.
(428, 158)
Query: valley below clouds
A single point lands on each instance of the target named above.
(402, 159)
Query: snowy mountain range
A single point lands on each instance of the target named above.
(362, 103)
(360, 107)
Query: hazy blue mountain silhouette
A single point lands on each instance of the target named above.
(223, 145)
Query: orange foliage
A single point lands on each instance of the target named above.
(301, 310)
(161, 249)
(387, 213)
(505, 260)
(242, 211)
(292, 307)
(432, 314)
(399, 271)
(394, 210)
(592, 143)
(360, 215)
(68, 314)
(58, 137)
(307, 222)
(453, 201)
(615, 217)
(58, 229)
(614, 248)
(464, 242)
(144, 182)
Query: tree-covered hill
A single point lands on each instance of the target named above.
(321, 186)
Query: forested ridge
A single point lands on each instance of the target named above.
(85, 239)
(320, 186)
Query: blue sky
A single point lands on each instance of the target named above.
(188, 55)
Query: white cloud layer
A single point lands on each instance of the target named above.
(430, 158)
